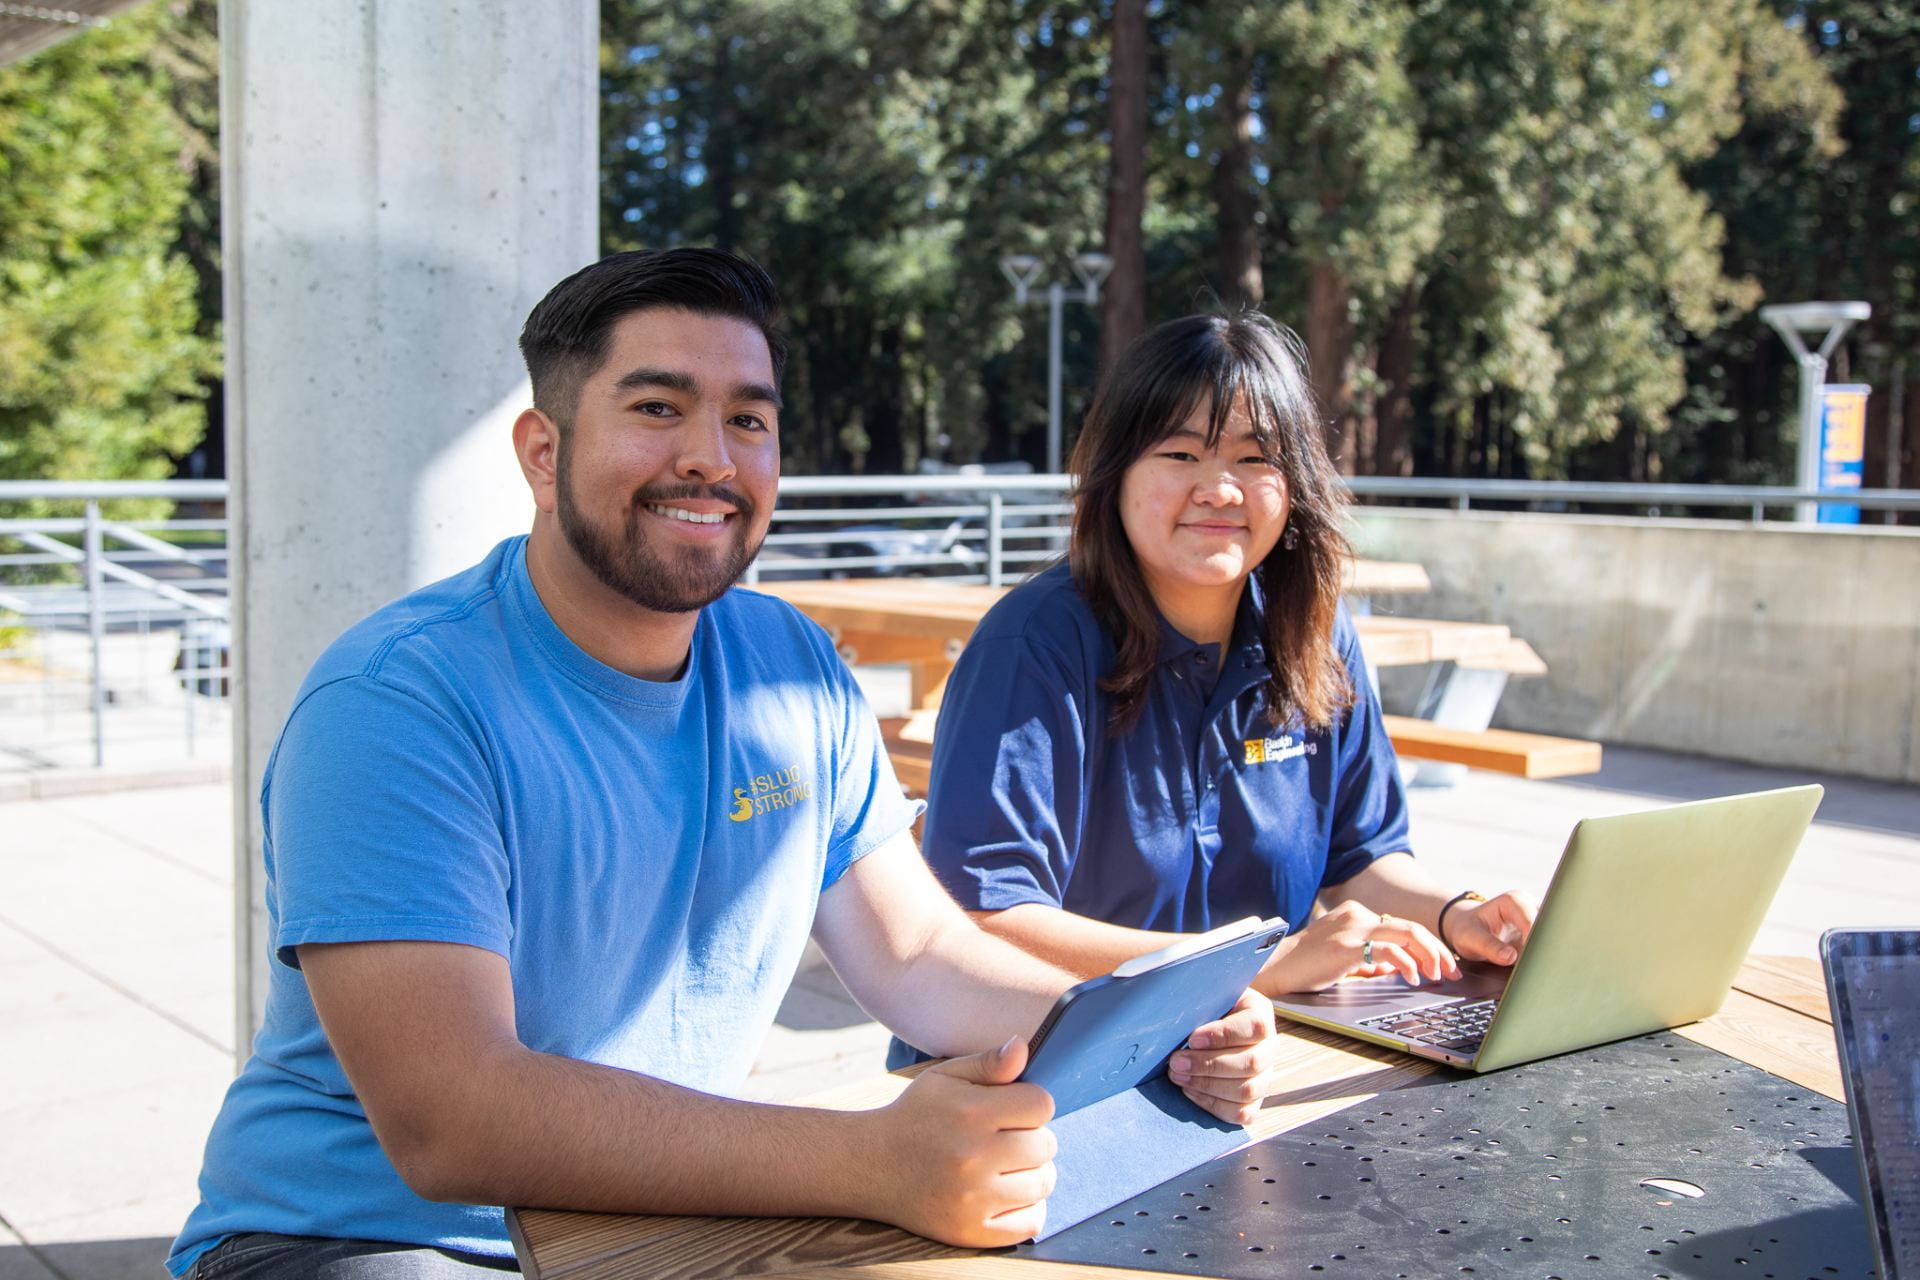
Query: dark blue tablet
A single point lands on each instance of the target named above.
(1108, 1034)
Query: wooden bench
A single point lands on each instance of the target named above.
(924, 624)
(1525, 755)
(909, 742)
(912, 758)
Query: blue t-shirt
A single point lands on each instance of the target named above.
(1202, 813)
(647, 856)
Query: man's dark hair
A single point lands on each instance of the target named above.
(565, 339)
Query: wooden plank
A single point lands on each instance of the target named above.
(1395, 649)
(1444, 641)
(1790, 1045)
(919, 726)
(1383, 577)
(942, 611)
(1526, 755)
(1517, 659)
(872, 648)
(911, 769)
(975, 1267)
(1792, 982)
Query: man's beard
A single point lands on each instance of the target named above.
(682, 583)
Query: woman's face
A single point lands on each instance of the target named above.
(1200, 519)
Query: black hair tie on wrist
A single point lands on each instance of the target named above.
(1440, 921)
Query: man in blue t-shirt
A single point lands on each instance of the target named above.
(544, 843)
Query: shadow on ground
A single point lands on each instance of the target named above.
(86, 1260)
(1850, 802)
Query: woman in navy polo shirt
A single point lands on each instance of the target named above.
(1174, 729)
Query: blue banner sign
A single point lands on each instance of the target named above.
(1843, 445)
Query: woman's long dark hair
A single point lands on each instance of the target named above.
(1150, 391)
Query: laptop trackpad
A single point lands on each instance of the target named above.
(1359, 998)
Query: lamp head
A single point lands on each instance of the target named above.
(1021, 270)
(1093, 269)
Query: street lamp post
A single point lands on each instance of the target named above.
(1021, 270)
(1791, 320)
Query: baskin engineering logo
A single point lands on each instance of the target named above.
(768, 792)
(1274, 750)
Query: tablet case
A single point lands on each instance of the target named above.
(1122, 1125)
(1110, 1033)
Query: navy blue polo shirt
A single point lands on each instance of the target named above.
(1202, 813)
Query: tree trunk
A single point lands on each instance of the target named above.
(1392, 443)
(885, 417)
(1235, 201)
(1123, 303)
(1329, 339)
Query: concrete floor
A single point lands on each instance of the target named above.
(116, 973)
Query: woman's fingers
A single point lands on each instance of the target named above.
(1433, 960)
(1396, 960)
(1370, 970)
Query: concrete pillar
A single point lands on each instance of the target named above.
(402, 182)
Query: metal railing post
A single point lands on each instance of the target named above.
(1056, 305)
(995, 514)
(96, 631)
(189, 670)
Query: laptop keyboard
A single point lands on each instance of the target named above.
(1459, 1027)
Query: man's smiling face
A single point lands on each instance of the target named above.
(667, 474)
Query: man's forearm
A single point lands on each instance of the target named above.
(1079, 944)
(967, 990)
(516, 1127)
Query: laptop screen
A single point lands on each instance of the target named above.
(1872, 978)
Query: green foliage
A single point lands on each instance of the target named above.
(1820, 195)
(1548, 222)
(879, 158)
(101, 356)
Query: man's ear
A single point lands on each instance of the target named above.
(536, 441)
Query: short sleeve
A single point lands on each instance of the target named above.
(1008, 786)
(1370, 801)
(382, 824)
(869, 807)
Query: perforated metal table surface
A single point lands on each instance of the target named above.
(1774, 1019)
(1654, 1157)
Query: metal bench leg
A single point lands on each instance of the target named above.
(1459, 698)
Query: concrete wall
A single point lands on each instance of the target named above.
(1774, 644)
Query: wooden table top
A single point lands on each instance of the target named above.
(1775, 1018)
(872, 617)
(1359, 577)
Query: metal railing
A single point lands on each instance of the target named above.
(64, 573)
(58, 573)
(1652, 500)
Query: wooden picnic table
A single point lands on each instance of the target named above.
(1776, 1018)
(925, 622)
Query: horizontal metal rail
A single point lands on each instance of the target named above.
(1462, 493)
(985, 527)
